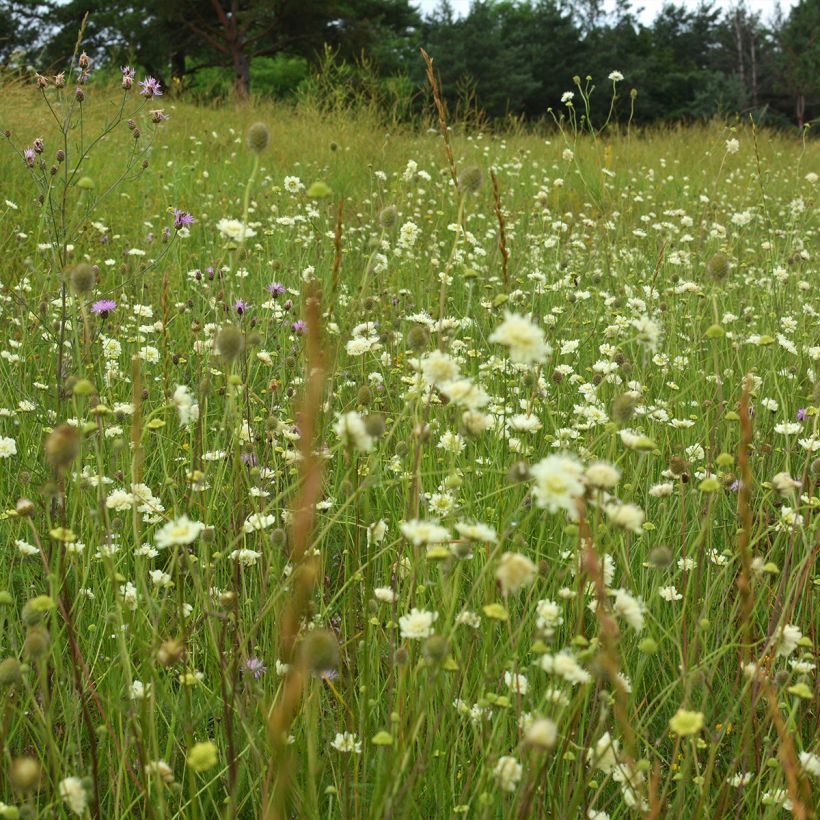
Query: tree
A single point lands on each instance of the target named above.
(799, 62)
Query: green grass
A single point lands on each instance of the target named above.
(636, 228)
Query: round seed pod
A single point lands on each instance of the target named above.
(320, 651)
(388, 216)
(24, 774)
(258, 137)
(37, 642)
(10, 672)
(82, 277)
(62, 446)
(718, 266)
(230, 342)
(470, 179)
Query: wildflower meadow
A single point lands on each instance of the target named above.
(353, 469)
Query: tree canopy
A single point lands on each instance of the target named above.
(504, 57)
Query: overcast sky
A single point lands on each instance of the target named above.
(651, 7)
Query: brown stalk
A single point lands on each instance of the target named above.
(502, 232)
(442, 115)
(306, 572)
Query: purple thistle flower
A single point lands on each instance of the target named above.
(298, 326)
(734, 486)
(255, 667)
(801, 414)
(240, 306)
(150, 87)
(182, 218)
(103, 307)
(28, 156)
(275, 289)
(129, 72)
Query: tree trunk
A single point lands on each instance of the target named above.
(242, 71)
(739, 43)
(753, 57)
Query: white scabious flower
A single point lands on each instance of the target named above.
(417, 624)
(245, 557)
(616, 76)
(541, 732)
(628, 516)
(630, 609)
(376, 532)
(810, 763)
(139, 690)
(507, 773)
(424, 532)
(187, 408)
(119, 500)
(385, 594)
(565, 666)
(129, 596)
(161, 769)
(438, 368)
(649, 332)
(670, 593)
(180, 531)
(525, 340)
(235, 230)
(258, 521)
(347, 742)
(8, 447)
(732, 146)
(558, 482)
(451, 442)
(352, 432)
(481, 533)
(549, 616)
(601, 475)
(517, 682)
(74, 795)
(604, 755)
(408, 234)
(787, 638)
(514, 572)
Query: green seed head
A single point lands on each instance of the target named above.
(718, 267)
(62, 446)
(258, 137)
(82, 277)
(230, 342)
(10, 673)
(388, 216)
(37, 642)
(25, 774)
(470, 179)
(320, 651)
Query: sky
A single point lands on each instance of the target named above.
(651, 7)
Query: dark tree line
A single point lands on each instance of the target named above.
(505, 57)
